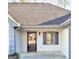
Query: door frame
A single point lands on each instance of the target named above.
(35, 41)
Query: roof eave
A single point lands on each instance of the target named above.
(17, 24)
(68, 22)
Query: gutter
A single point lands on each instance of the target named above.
(48, 26)
(38, 27)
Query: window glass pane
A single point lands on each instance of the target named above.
(56, 38)
(48, 38)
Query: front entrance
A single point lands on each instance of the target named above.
(31, 41)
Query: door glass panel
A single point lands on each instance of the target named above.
(31, 38)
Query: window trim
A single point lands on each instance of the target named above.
(44, 43)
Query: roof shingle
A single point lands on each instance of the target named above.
(35, 13)
(58, 20)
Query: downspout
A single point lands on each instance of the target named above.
(18, 27)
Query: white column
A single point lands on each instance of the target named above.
(64, 42)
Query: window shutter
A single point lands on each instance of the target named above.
(56, 38)
(44, 37)
(52, 36)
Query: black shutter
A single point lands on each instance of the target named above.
(44, 37)
(56, 38)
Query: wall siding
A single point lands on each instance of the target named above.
(11, 36)
(11, 40)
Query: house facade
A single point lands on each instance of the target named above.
(39, 27)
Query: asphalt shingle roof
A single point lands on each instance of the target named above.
(58, 20)
(37, 13)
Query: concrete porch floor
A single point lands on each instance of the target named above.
(43, 55)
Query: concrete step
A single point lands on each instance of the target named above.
(43, 55)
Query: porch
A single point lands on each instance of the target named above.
(43, 55)
(51, 51)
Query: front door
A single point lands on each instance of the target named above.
(31, 41)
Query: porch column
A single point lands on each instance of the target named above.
(17, 41)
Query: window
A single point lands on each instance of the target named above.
(50, 38)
